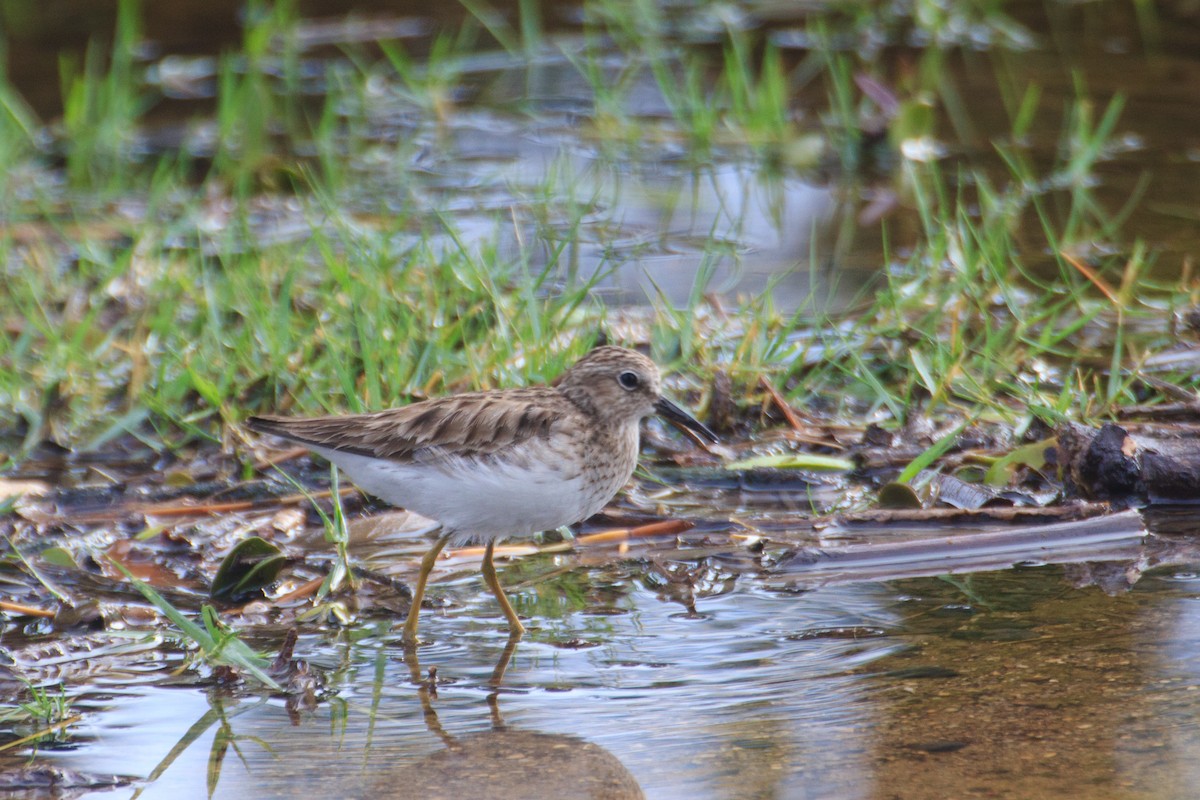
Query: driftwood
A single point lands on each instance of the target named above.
(1127, 469)
(973, 516)
(1118, 538)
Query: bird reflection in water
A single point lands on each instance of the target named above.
(503, 762)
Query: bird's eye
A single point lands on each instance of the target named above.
(629, 380)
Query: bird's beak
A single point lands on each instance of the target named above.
(678, 416)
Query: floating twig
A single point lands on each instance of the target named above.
(300, 592)
(28, 611)
(176, 510)
(48, 729)
(664, 528)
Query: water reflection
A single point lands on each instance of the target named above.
(510, 763)
(1166, 732)
(910, 688)
(501, 762)
(1044, 692)
(736, 702)
(368, 756)
(818, 687)
(730, 230)
(655, 231)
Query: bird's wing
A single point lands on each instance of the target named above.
(465, 426)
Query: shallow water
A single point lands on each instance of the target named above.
(685, 674)
(994, 684)
(656, 222)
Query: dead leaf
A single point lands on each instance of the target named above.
(22, 488)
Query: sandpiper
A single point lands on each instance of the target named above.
(488, 465)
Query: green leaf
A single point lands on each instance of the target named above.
(216, 756)
(924, 372)
(794, 461)
(899, 496)
(59, 557)
(933, 453)
(150, 532)
(189, 628)
(1030, 455)
(250, 566)
(229, 650)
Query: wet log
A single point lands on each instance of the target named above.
(1111, 538)
(1129, 469)
(971, 516)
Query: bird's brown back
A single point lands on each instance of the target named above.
(469, 425)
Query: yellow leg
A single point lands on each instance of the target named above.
(502, 664)
(409, 636)
(515, 627)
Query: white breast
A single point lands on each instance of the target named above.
(481, 500)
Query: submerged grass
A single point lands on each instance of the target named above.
(217, 645)
(329, 259)
(43, 707)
